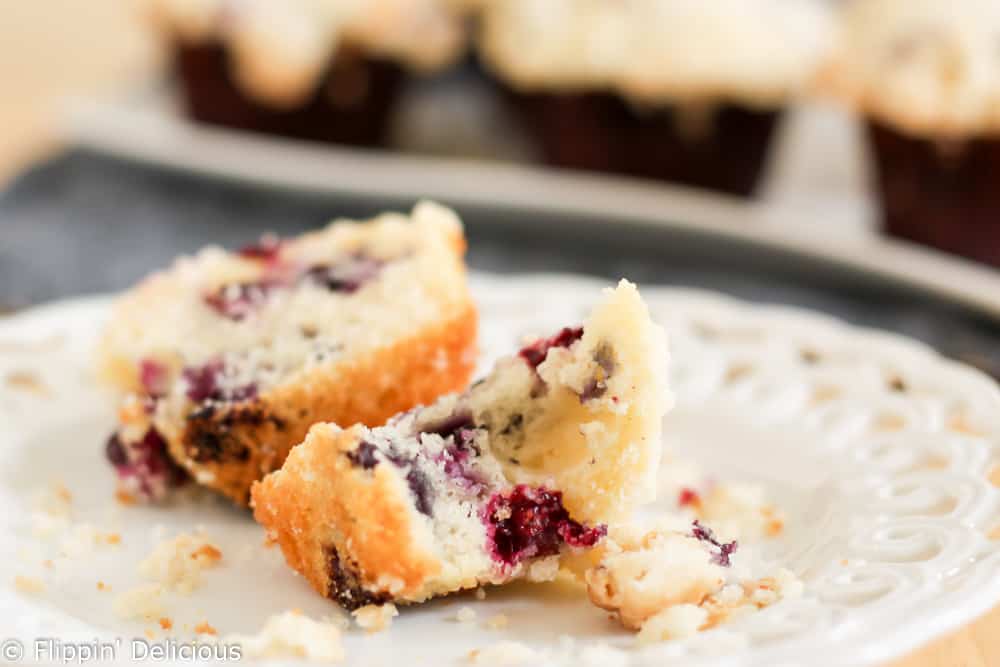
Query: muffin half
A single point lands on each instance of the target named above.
(486, 486)
(230, 357)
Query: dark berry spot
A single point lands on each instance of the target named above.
(535, 353)
(204, 383)
(345, 587)
(725, 550)
(219, 433)
(421, 488)
(115, 451)
(266, 249)
(531, 522)
(154, 378)
(417, 481)
(363, 455)
(347, 276)
(449, 426)
(145, 464)
(239, 300)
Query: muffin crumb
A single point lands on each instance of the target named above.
(177, 563)
(32, 585)
(669, 585)
(142, 602)
(124, 497)
(465, 615)
(504, 653)
(28, 382)
(498, 622)
(204, 628)
(293, 635)
(375, 618)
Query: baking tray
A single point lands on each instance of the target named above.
(88, 222)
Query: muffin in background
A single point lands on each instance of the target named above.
(678, 90)
(925, 76)
(327, 70)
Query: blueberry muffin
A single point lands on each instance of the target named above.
(678, 90)
(925, 77)
(486, 486)
(229, 358)
(327, 70)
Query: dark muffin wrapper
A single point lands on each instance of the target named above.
(351, 104)
(721, 148)
(940, 193)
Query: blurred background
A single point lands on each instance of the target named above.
(765, 148)
(842, 156)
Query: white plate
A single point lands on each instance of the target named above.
(888, 495)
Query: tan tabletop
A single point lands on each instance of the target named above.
(50, 49)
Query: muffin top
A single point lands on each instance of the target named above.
(756, 52)
(280, 48)
(926, 67)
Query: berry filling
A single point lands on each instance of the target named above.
(204, 383)
(420, 487)
(154, 378)
(459, 433)
(266, 249)
(531, 522)
(145, 465)
(347, 276)
(455, 461)
(239, 300)
(363, 456)
(725, 549)
(535, 353)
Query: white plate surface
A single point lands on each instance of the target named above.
(887, 492)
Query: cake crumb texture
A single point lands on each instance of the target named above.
(293, 635)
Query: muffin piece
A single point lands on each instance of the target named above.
(677, 90)
(328, 70)
(641, 575)
(486, 486)
(671, 582)
(230, 357)
(926, 77)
